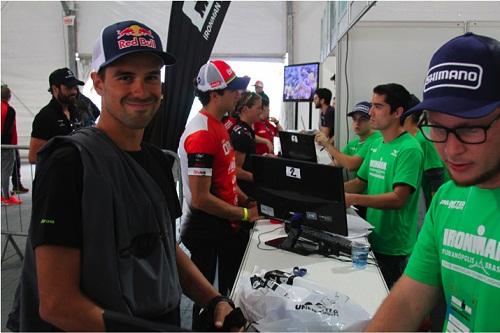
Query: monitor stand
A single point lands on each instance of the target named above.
(292, 243)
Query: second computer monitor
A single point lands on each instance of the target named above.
(285, 188)
(298, 146)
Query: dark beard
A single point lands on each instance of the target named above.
(66, 100)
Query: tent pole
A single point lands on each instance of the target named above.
(69, 10)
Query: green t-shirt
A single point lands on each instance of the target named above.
(385, 165)
(432, 160)
(459, 249)
(360, 148)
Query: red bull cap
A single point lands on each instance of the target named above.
(123, 38)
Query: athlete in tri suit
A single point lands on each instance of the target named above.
(249, 108)
(216, 213)
(458, 249)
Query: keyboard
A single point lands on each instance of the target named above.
(332, 244)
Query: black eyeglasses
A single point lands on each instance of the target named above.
(466, 134)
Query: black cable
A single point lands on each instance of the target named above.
(264, 233)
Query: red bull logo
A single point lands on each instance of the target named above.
(138, 35)
(134, 30)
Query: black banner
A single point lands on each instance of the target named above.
(193, 29)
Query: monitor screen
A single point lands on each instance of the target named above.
(298, 146)
(285, 187)
(300, 82)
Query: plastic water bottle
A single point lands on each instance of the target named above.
(359, 255)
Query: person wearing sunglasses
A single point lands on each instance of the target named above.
(458, 250)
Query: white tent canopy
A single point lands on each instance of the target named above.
(392, 42)
(34, 40)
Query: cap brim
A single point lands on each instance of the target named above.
(72, 82)
(239, 83)
(350, 114)
(167, 58)
(457, 106)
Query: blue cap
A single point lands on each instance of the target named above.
(363, 108)
(463, 77)
(123, 38)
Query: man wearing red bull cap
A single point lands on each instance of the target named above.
(216, 213)
(458, 250)
(101, 252)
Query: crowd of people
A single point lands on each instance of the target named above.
(98, 269)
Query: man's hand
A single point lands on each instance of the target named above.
(222, 309)
(322, 139)
(251, 203)
(274, 120)
(349, 199)
(253, 214)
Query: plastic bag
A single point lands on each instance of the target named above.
(273, 305)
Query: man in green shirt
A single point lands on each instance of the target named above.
(435, 173)
(354, 152)
(391, 173)
(458, 250)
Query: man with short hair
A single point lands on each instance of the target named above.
(457, 250)
(259, 87)
(322, 98)
(101, 250)
(60, 116)
(391, 173)
(216, 213)
(354, 152)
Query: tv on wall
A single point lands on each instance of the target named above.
(300, 82)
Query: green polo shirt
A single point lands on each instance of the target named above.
(399, 161)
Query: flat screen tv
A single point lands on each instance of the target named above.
(300, 82)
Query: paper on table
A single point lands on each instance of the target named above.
(357, 227)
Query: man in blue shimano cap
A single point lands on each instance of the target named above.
(352, 155)
(101, 252)
(458, 250)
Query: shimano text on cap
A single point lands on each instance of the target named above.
(454, 75)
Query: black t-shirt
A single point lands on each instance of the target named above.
(327, 119)
(51, 121)
(243, 140)
(57, 193)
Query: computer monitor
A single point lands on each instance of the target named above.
(298, 146)
(300, 81)
(285, 188)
